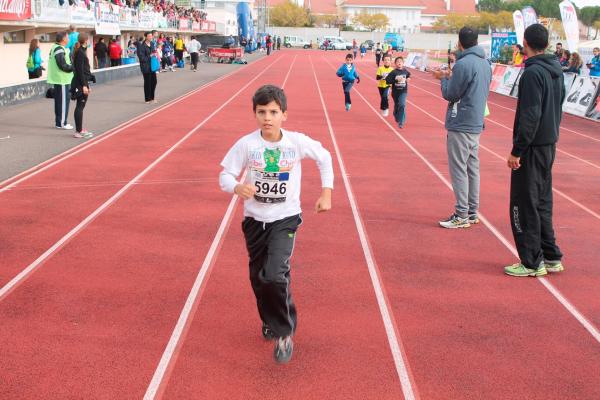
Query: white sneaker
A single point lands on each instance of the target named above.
(67, 126)
(455, 221)
(78, 135)
(385, 113)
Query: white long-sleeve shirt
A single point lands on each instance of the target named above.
(275, 170)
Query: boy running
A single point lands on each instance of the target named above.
(271, 157)
(383, 86)
(349, 74)
(399, 78)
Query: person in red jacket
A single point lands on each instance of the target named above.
(114, 52)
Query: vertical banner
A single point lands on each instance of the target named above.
(519, 22)
(570, 24)
(529, 16)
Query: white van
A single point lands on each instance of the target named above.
(338, 43)
(295, 41)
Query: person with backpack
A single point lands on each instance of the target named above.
(80, 87)
(34, 61)
(60, 74)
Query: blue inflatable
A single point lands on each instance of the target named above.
(246, 27)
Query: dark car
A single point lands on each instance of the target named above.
(369, 44)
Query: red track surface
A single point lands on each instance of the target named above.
(93, 318)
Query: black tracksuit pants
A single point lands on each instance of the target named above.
(62, 98)
(270, 247)
(531, 207)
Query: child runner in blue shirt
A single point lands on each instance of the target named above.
(349, 75)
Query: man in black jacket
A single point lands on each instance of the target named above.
(535, 133)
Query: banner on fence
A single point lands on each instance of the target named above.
(107, 19)
(508, 80)
(497, 76)
(15, 10)
(594, 110)
(184, 24)
(82, 14)
(581, 95)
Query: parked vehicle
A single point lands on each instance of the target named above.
(369, 44)
(338, 43)
(395, 40)
(295, 41)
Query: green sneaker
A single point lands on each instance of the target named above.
(554, 266)
(519, 269)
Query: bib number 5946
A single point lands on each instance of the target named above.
(270, 188)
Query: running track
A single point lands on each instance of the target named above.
(123, 271)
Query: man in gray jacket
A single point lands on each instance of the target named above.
(466, 88)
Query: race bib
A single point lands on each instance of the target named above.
(271, 187)
(270, 174)
(400, 81)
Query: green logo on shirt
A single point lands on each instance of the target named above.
(272, 160)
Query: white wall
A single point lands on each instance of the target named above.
(14, 58)
(401, 19)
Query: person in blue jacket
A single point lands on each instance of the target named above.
(349, 75)
(34, 61)
(594, 64)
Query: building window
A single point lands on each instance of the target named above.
(46, 38)
(14, 37)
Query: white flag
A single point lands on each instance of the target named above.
(570, 24)
(519, 26)
(529, 16)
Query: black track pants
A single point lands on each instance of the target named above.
(270, 247)
(531, 207)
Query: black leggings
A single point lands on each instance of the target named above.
(81, 102)
(194, 60)
(149, 85)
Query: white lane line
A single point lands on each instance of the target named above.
(563, 195)
(34, 265)
(168, 358)
(23, 176)
(5, 137)
(513, 109)
(384, 308)
(544, 281)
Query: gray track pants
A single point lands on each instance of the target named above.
(463, 161)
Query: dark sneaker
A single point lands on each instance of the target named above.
(473, 219)
(267, 332)
(284, 346)
(455, 221)
(554, 266)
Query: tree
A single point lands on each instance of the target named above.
(490, 5)
(588, 16)
(371, 21)
(289, 14)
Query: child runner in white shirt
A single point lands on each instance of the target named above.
(271, 191)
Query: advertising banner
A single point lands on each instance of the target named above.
(499, 39)
(570, 24)
(519, 22)
(81, 14)
(594, 110)
(581, 95)
(184, 24)
(15, 10)
(196, 26)
(107, 19)
(511, 74)
(147, 19)
(497, 76)
(529, 16)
